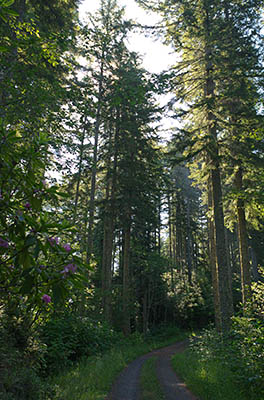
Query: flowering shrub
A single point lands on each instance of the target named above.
(37, 270)
(46, 298)
(67, 247)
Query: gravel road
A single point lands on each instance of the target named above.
(127, 385)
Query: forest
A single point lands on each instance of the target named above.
(112, 237)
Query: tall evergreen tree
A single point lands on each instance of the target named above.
(217, 42)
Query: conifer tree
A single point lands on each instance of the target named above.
(217, 44)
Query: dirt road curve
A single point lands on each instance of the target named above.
(127, 385)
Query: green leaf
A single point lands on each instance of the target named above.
(78, 281)
(36, 250)
(12, 12)
(7, 3)
(26, 272)
(24, 258)
(36, 203)
(3, 49)
(3, 17)
(27, 285)
(59, 293)
(30, 240)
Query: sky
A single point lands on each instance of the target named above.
(156, 56)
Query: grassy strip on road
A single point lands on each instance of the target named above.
(149, 384)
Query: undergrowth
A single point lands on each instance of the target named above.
(209, 380)
(230, 368)
(92, 378)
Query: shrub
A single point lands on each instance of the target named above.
(242, 351)
(70, 337)
(248, 353)
(19, 378)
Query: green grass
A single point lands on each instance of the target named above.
(149, 384)
(92, 378)
(208, 380)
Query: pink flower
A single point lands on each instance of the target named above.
(53, 241)
(69, 268)
(67, 247)
(4, 243)
(46, 298)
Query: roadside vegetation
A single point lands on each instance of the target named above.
(230, 367)
(92, 377)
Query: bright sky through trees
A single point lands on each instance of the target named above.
(156, 56)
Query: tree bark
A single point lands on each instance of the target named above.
(94, 167)
(223, 276)
(172, 262)
(77, 192)
(109, 225)
(126, 277)
(224, 284)
(189, 243)
(243, 240)
(212, 257)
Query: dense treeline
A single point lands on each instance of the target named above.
(103, 229)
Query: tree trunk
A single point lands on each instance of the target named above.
(243, 240)
(109, 225)
(94, 167)
(254, 263)
(224, 284)
(77, 193)
(212, 257)
(222, 276)
(170, 243)
(126, 277)
(189, 243)
(145, 312)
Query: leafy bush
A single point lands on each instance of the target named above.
(242, 352)
(207, 379)
(248, 353)
(19, 366)
(191, 302)
(70, 337)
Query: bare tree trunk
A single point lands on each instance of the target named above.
(109, 225)
(77, 193)
(254, 263)
(243, 241)
(126, 277)
(145, 312)
(170, 242)
(94, 167)
(159, 226)
(189, 243)
(224, 284)
(212, 257)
